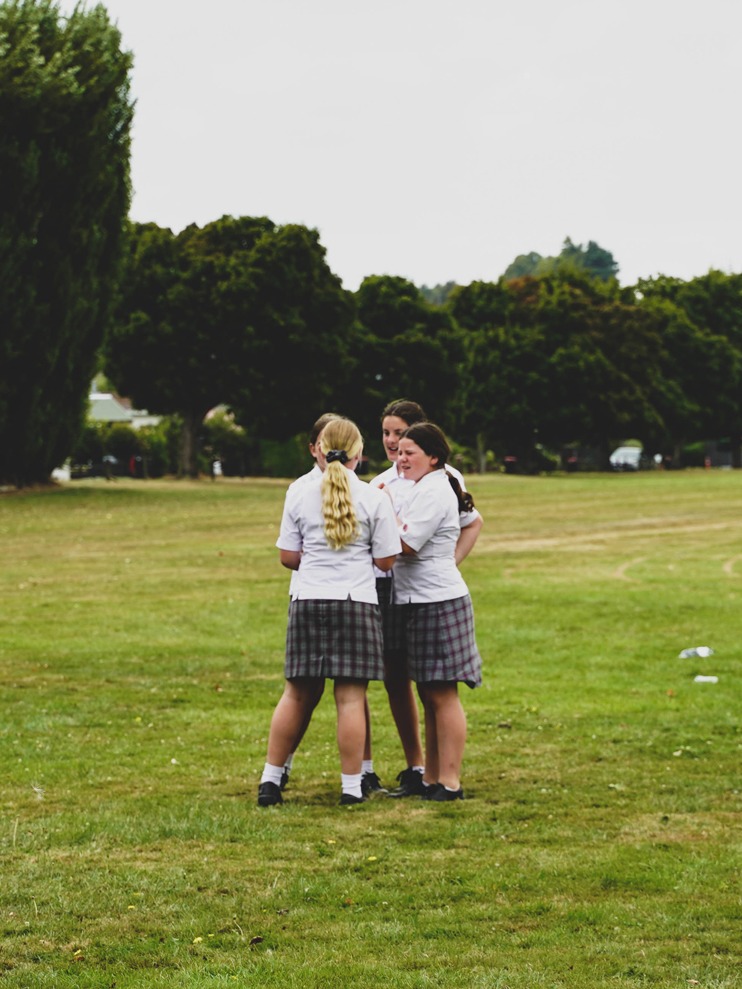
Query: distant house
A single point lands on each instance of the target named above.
(107, 407)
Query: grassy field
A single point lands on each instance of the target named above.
(141, 650)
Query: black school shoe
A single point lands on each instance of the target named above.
(284, 779)
(410, 784)
(371, 784)
(269, 794)
(441, 794)
(347, 799)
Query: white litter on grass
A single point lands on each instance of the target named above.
(704, 679)
(701, 651)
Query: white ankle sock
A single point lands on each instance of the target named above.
(367, 766)
(272, 774)
(351, 783)
(289, 763)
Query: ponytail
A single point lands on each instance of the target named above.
(465, 500)
(340, 442)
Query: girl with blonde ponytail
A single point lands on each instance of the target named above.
(333, 532)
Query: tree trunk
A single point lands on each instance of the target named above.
(188, 453)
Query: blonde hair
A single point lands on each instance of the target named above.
(343, 437)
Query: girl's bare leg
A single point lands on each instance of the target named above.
(445, 715)
(291, 716)
(350, 698)
(367, 750)
(403, 705)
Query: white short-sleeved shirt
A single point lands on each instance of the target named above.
(328, 574)
(431, 525)
(401, 488)
(312, 476)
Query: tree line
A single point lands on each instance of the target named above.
(246, 314)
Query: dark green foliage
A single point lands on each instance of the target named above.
(301, 319)
(712, 301)
(697, 385)
(90, 444)
(154, 448)
(249, 315)
(224, 440)
(65, 115)
(524, 265)
(284, 458)
(438, 294)
(592, 260)
(176, 343)
(403, 347)
(159, 446)
(123, 441)
(710, 366)
(566, 358)
(239, 312)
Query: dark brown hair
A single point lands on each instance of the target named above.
(403, 408)
(432, 440)
(320, 425)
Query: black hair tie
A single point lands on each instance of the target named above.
(340, 455)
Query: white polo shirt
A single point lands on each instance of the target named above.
(314, 475)
(401, 488)
(328, 574)
(431, 525)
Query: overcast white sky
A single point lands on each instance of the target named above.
(438, 139)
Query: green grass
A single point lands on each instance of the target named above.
(141, 653)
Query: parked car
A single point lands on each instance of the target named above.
(626, 458)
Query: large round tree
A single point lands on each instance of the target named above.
(239, 312)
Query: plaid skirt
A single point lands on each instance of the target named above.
(441, 644)
(328, 638)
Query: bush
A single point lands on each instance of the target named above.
(121, 441)
(287, 459)
(89, 447)
(159, 447)
(147, 452)
(224, 440)
(694, 455)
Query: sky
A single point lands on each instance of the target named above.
(439, 139)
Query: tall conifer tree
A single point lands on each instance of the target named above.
(65, 116)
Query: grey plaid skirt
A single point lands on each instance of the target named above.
(441, 644)
(332, 639)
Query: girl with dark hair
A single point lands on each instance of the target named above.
(396, 418)
(440, 643)
(337, 529)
